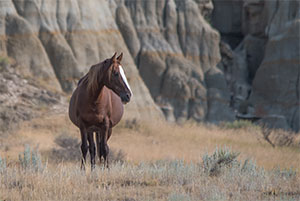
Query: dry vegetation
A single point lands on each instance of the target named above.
(149, 162)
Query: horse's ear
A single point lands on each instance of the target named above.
(114, 57)
(120, 57)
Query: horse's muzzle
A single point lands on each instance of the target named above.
(125, 98)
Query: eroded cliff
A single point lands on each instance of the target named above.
(247, 64)
(56, 42)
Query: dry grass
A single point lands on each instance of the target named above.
(163, 162)
(161, 180)
(189, 142)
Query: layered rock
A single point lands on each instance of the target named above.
(174, 46)
(270, 50)
(169, 43)
(57, 41)
(276, 84)
(22, 98)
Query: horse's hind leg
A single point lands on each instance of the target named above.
(92, 149)
(84, 147)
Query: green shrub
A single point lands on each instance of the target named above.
(219, 159)
(4, 61)
(285, 173)
(2, 165)
(31, 160)
(238, 124)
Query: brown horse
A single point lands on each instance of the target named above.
(96, 106)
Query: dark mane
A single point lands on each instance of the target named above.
(93, 77)
(84, 78)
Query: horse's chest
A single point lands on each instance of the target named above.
(95, 118)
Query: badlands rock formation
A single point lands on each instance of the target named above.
(175, 61)
(57, 41)
(266, 36)
(176, 51)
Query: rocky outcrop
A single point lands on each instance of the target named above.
(218, 97)
(276, 84)
(172, 54)
(57, 41)
(174, 47)
(23, 98)
(267, 33)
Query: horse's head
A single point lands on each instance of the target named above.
(116, 79)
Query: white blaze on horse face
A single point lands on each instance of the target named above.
(124, 78)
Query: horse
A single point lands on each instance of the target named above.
(96, 106)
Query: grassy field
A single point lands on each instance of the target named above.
(149, 162)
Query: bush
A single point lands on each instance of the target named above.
(30, 160)
(219, 159)
(2, 165)
(4, 61)
(115, 156)
(285, 173)
(238, 124)
(70, 151)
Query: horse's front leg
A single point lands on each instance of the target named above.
(84, 147)
(92, 149)
(98, 143)
(100, 135)
(102, 147)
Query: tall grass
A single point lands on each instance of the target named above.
(159, 180)
(157, 162)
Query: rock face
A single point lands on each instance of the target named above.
(169, 41)
(269, 47)
(57, 41)
(174, 47)
(276, 84)
(22, 98)
(173, 56)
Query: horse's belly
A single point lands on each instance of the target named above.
(117, 109)
(115, 120)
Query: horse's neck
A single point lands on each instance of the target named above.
(95, 94)
(94, 90)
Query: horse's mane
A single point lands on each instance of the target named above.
(93, 77)
(83, 79)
